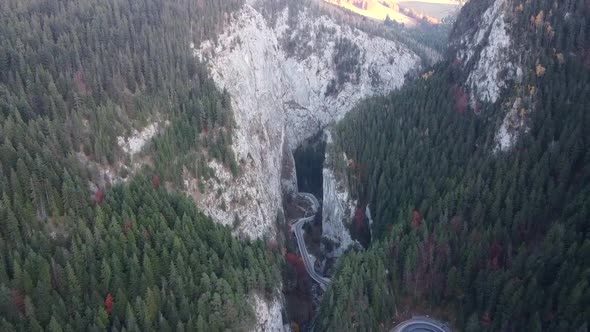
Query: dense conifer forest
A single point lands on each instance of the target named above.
(489, 240)
(141, 260)
(77, 254)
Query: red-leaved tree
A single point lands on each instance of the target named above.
(297, 263)
(18, 301)
(461, 99)
(99, 196)
(156, 181)
(108, 303)
(359, 218)
(80, 80)
(416, 219)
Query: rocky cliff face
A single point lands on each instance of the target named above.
(488, 52)
(337, 208)
(492, 62)
(286, 84)
(268, 314)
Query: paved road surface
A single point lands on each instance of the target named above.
(421, 324)
(308, 260)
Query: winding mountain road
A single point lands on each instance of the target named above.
(309, 260)
(416, 324)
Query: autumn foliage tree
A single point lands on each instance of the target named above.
(18, 301)
(108, 303)
(156, 181)
(297, 263)
(461, 99)
(98, 196)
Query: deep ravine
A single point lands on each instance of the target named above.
(302, 294)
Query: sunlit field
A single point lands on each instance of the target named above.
(379, 10)
(438, 9)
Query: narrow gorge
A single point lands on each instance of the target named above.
(317, 230)
(294, 165)
(290, 76)
(299, 75)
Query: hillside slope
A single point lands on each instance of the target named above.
(102, 108)
(488, 232)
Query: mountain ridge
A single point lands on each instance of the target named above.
(476, 183)
(298, 75)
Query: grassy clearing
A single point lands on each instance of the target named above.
(438, 9)
(383, 8)
(378, 12)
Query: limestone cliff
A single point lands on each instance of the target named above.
(492, 62)
(487, 51)
(288, 80)
(268, 314)
(337, 208)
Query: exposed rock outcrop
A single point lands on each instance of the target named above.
(135, 143)
(120, 172)
(268, 315)
(288, 172)
(337, 208)
(281, 78)
(488, 54)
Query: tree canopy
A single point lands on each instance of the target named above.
(75, 253)
(486, 239)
